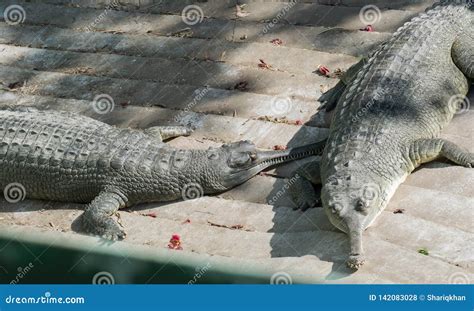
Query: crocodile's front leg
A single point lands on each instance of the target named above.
(301, 190)
(97, 218)
(330, 98)
(426, 150)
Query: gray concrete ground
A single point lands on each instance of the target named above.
(160, 70)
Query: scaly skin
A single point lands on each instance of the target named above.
(71, 158)
(388, 117)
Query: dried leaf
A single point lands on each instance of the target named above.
(153, 215)
(264, 65)
(276, 41)
(234, 227)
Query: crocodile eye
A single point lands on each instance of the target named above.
(239, 159)
(212, 155)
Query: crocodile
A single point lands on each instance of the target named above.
(386, 119)
(68, 157)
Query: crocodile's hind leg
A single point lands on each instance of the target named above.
(426, 150)
(167, 132)
(300, 186)
(97, 218)
(463, 53)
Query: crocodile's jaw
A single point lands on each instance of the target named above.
(265, 159)
(351, 209)
(350, 219)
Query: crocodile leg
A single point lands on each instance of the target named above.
(301, 188)
(463, 54)
(426, 150)
(167, 132)
(97, 217)
(330, 98)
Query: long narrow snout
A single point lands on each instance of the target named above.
(356, 256)
(266, 159)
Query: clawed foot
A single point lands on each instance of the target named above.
(355, 261)
(104, 227)
(303, 195)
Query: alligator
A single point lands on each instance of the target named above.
(63, 156)
(387, 116)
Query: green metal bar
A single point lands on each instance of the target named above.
(31, 256)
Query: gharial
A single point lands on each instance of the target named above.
(63, 156)
(387, 116)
